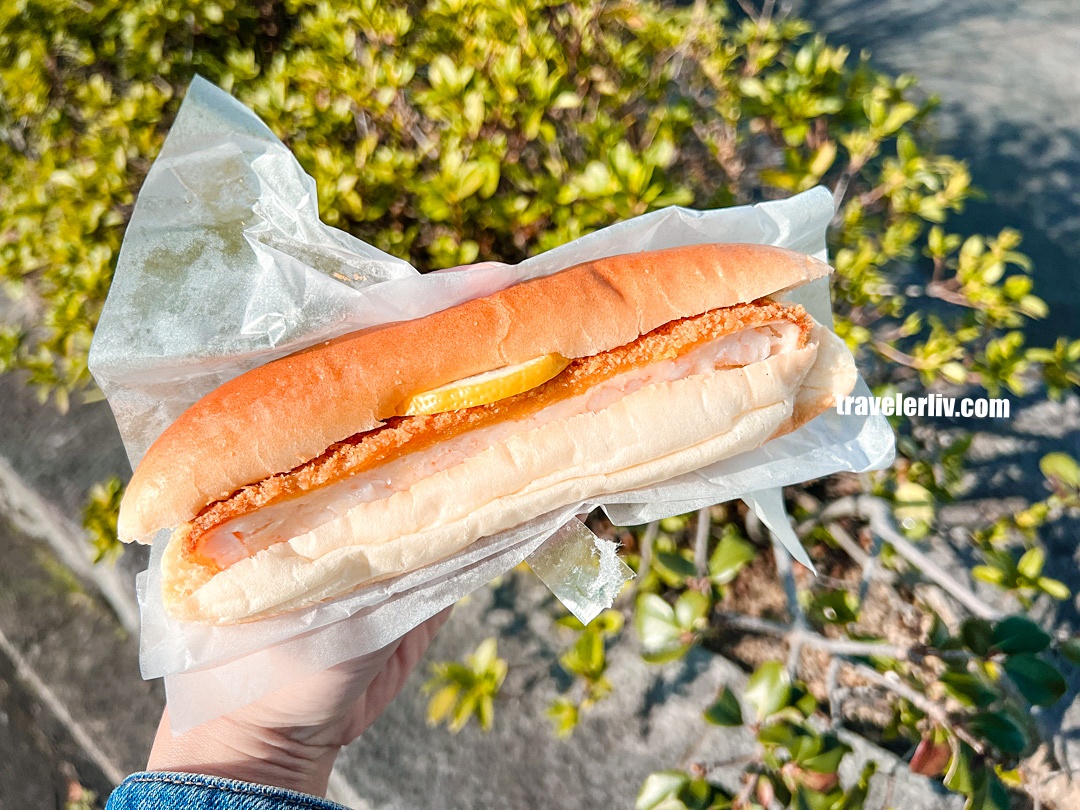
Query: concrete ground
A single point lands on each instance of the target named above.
(1006, 73)
(73, 709)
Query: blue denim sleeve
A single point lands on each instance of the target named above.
(160, 790)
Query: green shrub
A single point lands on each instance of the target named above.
(456, 131)
(453, 130)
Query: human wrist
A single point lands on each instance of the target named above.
(233, 748)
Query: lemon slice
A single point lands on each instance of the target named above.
(490, 386)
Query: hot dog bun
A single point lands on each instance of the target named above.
(288, 411)
(270, 424)
(587, 456)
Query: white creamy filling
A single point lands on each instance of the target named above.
(245, 535)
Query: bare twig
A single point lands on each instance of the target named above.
(868, 562)
(848, 544)
(891, 789)
(647, 540)
(754, 624)
(679, 55)
(897, 356)
(870, 570)
(767, 11)
(701, 541)
(742, 759)
(748, 9)
(932, 710)
(832, 689)
(787, 577)
(796, 636)
(941, 290)
(836, 646)
(743, 799)
(876, 511)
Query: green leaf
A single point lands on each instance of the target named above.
(462, 691)
(673, 567)
(725, 710)
(100, 514)
(958, 776)
(803, 700)
(485, 656)
(441, 704)
(1031, 563)
(914, 508)
(608, 623)
(808, 799)
(822, 159)
(564, 717)
(1001, 731)
(768, 689)
(691, 608)
(955, 372)
(837, 606)
(654, 620)
(939, 633)
(805, 742)
(986, 573)
(659, 788)
(1061, 467)
(566, 100)
(1053, 588)
(1070, 648)
(586, 658)
(828, 761)
(732, 553)
(595, 181)
(969, 689)
(1038, 681)
(977, 635)
(987, 791)
(782, 734)
(1017, 634)
(899, 115)
(778, 178)
(674, 524)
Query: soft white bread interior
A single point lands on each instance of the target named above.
(280, 415)
(707, 417)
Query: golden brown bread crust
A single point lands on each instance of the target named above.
(280, 415)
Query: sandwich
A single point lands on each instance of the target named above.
(386, 450)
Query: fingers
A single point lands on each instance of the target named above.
(389, 682)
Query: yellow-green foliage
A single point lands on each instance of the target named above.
(456, 130)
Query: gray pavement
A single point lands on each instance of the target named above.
(1008, 74)
(72, 705)
(652, 720)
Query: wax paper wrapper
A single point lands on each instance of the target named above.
(226, 265)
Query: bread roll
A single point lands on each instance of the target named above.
(587, 456)
(279, 415)
(272, 423)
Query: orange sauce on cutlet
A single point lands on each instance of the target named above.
(400, 435)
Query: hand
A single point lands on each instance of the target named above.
(291, 737)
